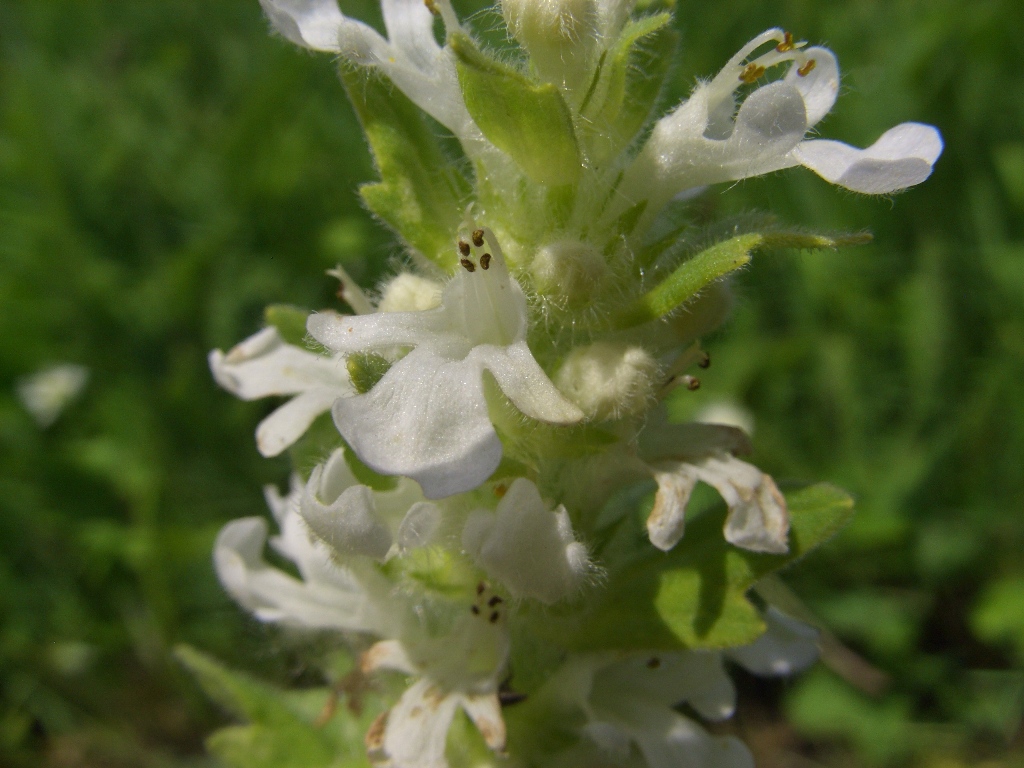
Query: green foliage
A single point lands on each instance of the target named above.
(696, 595)
(283, 729)
(421, 195)
(289, 321)
(528, 120)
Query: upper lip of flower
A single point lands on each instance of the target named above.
(427, 416)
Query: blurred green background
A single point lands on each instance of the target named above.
(168, 168)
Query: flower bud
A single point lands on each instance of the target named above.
(561, 36)
(608, 380)
(407, 292)
(568, 269)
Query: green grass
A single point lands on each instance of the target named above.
(168, 169)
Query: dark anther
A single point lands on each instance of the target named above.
(480, 587)
(475, 609)
(693, 384)
(478, 237)
(493, 618)
(463, 247)
(494, 601)
(705, 360)
(508, 698)
(485, 261)
(468, 265)
(653, 663)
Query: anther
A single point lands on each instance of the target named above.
(807, 68)
(508, 698)
(468, 265)
(463, 247)
(787, 43)
(692, 383)
(485, 261)
(494, 601)
(653, 663)
(751, 73)
(493, 618)
(480, 587)
(475, 609)
(500, 490)
(432, 7)
(705, 360)
(478, 237)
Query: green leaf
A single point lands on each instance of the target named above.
(420, 194)
(258, 746)
(714, 263)
(526, 119)
(289, 321)
(631, 77)
(695, 595)
(365, 369)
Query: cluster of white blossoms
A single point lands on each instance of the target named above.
(495, 409)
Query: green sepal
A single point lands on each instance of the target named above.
(420, 194)
(526, 119)
(695, 595)
(630, 78)
(281, 729)
(365, 369)
(714, 263)
(289, 321)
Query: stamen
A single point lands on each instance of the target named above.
(432, 7)
(468, 265)
(705, 360)
(475, 609)
(751, 73)
(464, 248)
(653, 663)
(786, 45)
(807, 68)
(500, 490)
(508, 698)
(478, 237)
(493, 618)
(692, 383)
(480, 587)
(485, 261)
(494, 601)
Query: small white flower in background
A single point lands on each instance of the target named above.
(264, 365)
(528, 548)
(46, 393)
(427, 418)
(706, 140)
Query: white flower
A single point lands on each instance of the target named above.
(264, 365)
(706, 140)
(461, 669)
(355, 520)
(410, 56)
(758, 519)
(528, 548)
(326, 596)
(46, 393)
(427, 416)
(632, 700)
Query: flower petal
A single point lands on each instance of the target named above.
(787, 647)
(669, 740)
(410, 28)
(667, 521)
(529, 549)
(309, 23)
(265, 365)
(417, 729)
(425, 419)
(525, 383)
(274, 596)
(348, 524)
(347, 334)
(485, 712)
(286, 424)
(902, 157)
(820, 86)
